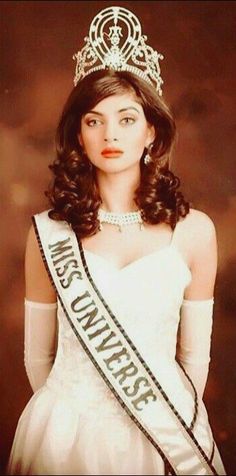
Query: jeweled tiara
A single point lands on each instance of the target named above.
(121, 48)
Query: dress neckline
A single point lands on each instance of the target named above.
(138, 261)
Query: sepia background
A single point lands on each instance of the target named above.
(197, 39)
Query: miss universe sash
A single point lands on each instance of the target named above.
(185, 449)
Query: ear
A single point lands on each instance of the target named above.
(80, 140)
(151, 134)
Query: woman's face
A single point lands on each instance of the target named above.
(115, 132)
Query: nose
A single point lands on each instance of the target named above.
(110, 134)
(109, 140)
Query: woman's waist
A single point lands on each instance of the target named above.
(84, 381)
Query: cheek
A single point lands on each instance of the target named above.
(137, 137)
(89, 138)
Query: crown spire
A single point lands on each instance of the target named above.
(116, 42)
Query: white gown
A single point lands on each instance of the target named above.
(73, 424)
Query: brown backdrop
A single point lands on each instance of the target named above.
(197, 39)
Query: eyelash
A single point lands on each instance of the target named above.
(96, 121)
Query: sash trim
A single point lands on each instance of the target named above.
(195, 397)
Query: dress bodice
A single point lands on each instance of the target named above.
(146, 297)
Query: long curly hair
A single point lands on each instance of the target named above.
(74, 195)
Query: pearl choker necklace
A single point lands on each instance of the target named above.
(120, 219)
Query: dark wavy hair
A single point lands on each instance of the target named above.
(74, 194)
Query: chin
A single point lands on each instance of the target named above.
(116, 166)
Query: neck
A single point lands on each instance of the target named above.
(117, 190)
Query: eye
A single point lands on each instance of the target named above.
(93, 122)
(128, 120)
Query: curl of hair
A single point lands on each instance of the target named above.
(74, 195)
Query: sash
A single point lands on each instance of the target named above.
(184, 449)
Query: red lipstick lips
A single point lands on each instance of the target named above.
(111, 152)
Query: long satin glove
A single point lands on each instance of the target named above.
(194, 340)
(40, 339)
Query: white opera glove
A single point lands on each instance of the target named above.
(40, 340)
(194, 340)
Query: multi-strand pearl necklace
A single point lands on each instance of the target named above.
(120, 219)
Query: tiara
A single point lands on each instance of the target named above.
(121, 48)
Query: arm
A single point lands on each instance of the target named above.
(40, 316)
(194, 339)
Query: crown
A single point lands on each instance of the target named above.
(121, 48)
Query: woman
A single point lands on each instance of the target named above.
(120, 248)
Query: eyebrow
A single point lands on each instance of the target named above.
(120, 110)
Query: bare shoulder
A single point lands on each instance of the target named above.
(37, 282)
(199, 225)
